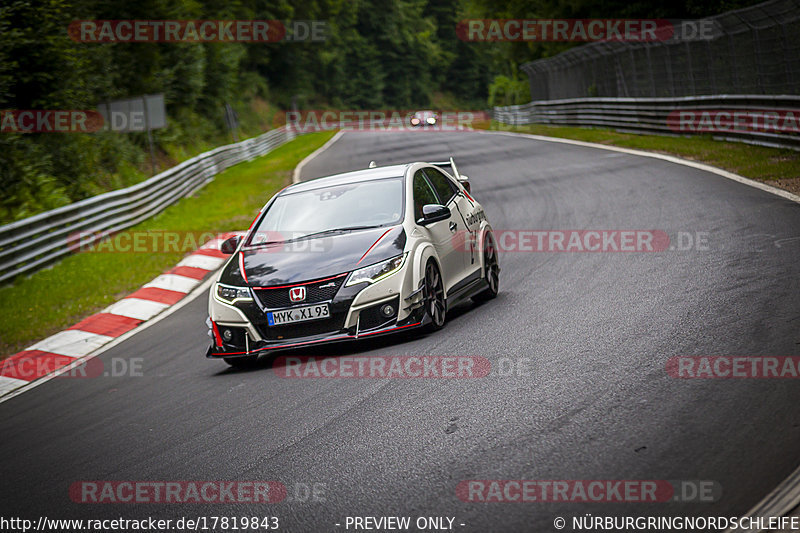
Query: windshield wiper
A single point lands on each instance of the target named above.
(333, 230)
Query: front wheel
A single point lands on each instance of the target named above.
(435, 305)
(491, 270)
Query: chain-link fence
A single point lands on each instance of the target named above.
(755, 50)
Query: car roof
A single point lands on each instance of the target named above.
(355, 176)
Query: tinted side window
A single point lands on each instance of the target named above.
(445, 188)
(423, 194)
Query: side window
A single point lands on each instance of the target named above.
(423, 194)
(445, 188)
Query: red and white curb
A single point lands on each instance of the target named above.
(55, 353)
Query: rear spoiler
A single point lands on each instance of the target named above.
(451, 164)
(454, 169)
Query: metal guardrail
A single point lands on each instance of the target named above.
(32, 243)
(649, 115)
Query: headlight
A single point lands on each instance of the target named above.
(431, 121)
(231, 295)
(414, 121)
(376, 272)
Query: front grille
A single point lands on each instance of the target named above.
(333, 324)
(316, 292)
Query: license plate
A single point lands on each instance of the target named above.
(298, 314)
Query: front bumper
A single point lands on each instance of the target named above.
(354, 314)
(415, 320)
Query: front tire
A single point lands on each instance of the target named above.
(491, 271)
(435, 305)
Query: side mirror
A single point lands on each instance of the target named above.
(230, 244)
(433, 213)
(464, 181)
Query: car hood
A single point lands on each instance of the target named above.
(314, 258)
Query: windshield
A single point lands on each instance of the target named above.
(342, 207)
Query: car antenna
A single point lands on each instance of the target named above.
(372, 164)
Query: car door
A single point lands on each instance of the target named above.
(440, 233)
(464, 237)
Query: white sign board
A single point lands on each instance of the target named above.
(134, 114)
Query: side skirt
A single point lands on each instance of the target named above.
(467, 291)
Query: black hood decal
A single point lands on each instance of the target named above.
(314, 258)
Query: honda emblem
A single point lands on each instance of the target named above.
(297, 294)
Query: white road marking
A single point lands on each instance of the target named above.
(309, 157)
(173, 282)
(72, 343)
(206, 262)
(9, 384)
(136, 308)
(213, 244)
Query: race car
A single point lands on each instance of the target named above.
(349, 256)
(424, 118)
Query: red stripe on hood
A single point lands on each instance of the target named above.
(373, 245)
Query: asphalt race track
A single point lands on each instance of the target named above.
(595, 403)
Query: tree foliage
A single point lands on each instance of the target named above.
(378, 54)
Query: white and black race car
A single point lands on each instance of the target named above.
(358, 254)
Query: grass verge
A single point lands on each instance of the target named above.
(84, 283)
(778, 167)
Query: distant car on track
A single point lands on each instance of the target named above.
(358, 254)
(421, 119)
